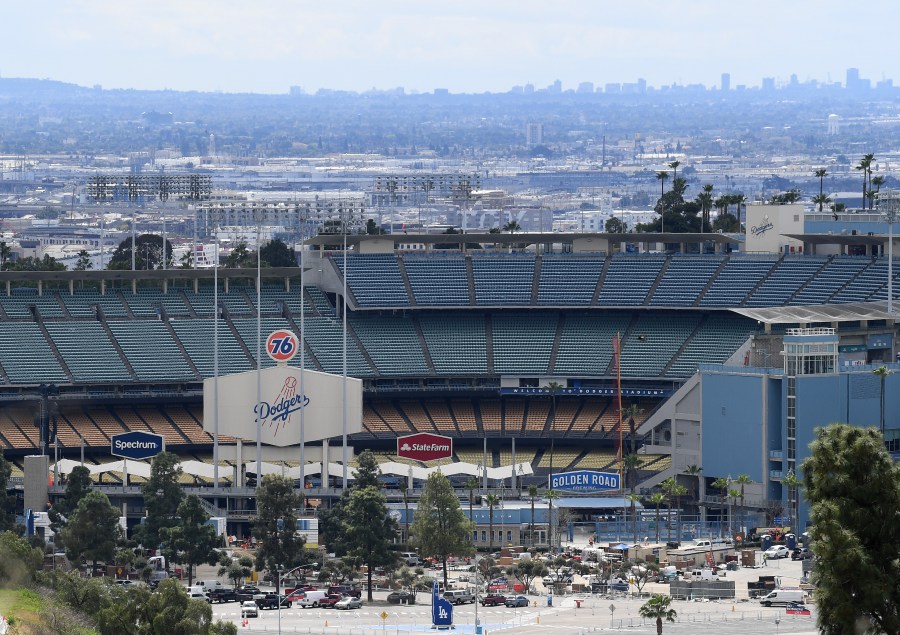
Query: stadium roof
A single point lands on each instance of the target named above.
(819, 313)
(840, 239)
(337, 240)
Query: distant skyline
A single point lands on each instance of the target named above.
(465, 46)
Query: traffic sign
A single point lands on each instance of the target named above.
(282, 345)
(137, 445)
(383, 615)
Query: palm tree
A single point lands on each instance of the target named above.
(821, 200)
(551, 494)
(512, 227)
(820, 174)
(882, 373)
(674, 165)
(742, 480)
(793, 482)
(705, 201)
(633, 499)
(694, 470)
(739, 201)
(877, 182)
(630, 413)
(661, 177)
(532, 494)
(492, 501)
(721, 204)
(722, 484)
(657, 608)
(630, 463)
(865, 165)
(678, 491)
(679, 187)
(668, 486)
(471, 485)
(657, 499)
(733, 496)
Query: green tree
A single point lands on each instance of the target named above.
(527, 570)
(77, 486)
(92, 530)
(276, 253)
(821, 200)
(512, 227)
(33, 263)
(668, 487)
(743, 480)
(853, 487)
(674, 165)
(275, 526)
(657, 499)
(633, 499)
(7, 502)
(191, 541)
(471, 485)
(662, 177)
(492, 501)
(241, 257)
(148, 253)
(820, 174)
(658, 608)
(727, 223)
(235, 570)
(370, 530)
(639, 571)
(705, 201)
(440, 527)
(722, 484)
(614, 225)
(5, 256)
(865, 165)
(882, 373)
(532, 496)
(19, 560)
(694, 471)
(84, 261)
(162, 496)
(793, 483)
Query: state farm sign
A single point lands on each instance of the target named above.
(424, 447)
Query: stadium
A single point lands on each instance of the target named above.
(502, 342)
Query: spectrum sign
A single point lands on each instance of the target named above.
(137, 445)
(585, 481)
(424, 447)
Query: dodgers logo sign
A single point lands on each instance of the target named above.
(584, 481)
(137, 445)
(441, 609)
(277, 413)
(424, 447)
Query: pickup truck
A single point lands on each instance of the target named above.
(270, 601)
(219, 596)
(329, 601)
(248, 592)
(493, 600)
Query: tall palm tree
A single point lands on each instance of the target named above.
(678, 491)
(471, 485)
(532, 494)
(668, 486)
(630, 463)
(661, 177)
(722, 484)
(657, 608)
(877, 182)
(694, 470)
(551, 494)
(742, 480)
(633, 499)
(705, 200)
(865, 166)
(882, 373)
(674, 165)
(821, 200)
(793, 482)
(739, 201)
(492, 501)
(733, 496)
(630, 413)
(820, 174)
(657, 499)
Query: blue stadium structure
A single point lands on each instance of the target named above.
(468, 342)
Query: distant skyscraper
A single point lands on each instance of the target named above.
(852, 79)
(585, 88)
(726, 82)
(834, 124)
(212, 145)
(534, 134)
(768, 83)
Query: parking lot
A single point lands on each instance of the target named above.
(599, 613)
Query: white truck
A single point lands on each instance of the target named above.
(783, 596)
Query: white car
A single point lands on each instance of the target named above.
(777, 551)
(249, 609)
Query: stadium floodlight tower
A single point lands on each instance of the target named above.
(889, 205)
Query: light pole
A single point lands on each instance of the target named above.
(890, 201)
(278, 596)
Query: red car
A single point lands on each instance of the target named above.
(329, 601)
(493, 599)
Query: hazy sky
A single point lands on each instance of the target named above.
(464, 45)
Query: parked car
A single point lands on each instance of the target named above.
(777, 551)
(493, 599)
(329, 601)
(270, 601)
(516, 600)
(801, 553)
(249, 609)
(344, 589)
(348, 602)
(248, 592)
(401, 597)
